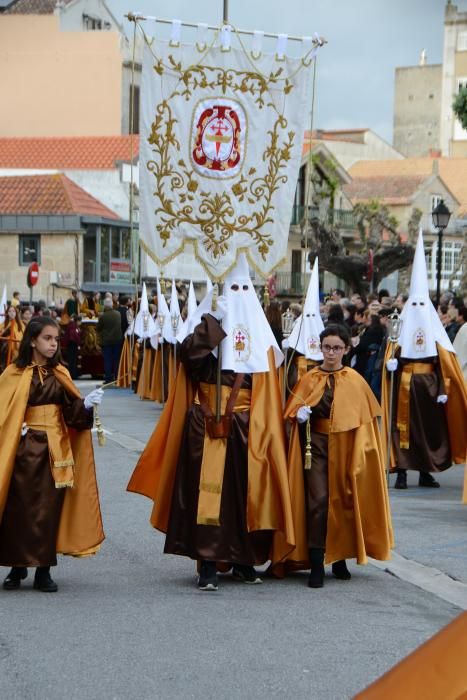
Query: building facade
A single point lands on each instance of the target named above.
(424, 121)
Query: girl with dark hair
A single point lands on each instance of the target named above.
(339, 493)
(10, 337)
(48, 492)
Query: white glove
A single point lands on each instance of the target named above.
(24, 429)
(221, 309)
(94, 398)
(442, 398)
(391, 365)
(303, 413)
(285, 344)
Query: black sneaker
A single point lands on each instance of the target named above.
(426, 480)
(14, 578)
(207, 580)
(245, 574)
(44, 582)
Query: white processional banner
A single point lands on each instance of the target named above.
(220, 150)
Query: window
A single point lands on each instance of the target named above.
(135, 94)
(105, 254)
(89, 255)
(29, 249)
(450, 263)
(462, 41)
(91, 23)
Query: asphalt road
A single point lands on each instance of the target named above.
(130, 622)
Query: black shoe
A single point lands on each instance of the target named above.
(207, 580)
(14, 578)
(43, 581)
(425, 479)
(245, 574)
(401, 480)
(340, 570)
(316, 577)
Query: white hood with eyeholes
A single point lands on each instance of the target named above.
(421, 326)
(249, 335)
(307, 328)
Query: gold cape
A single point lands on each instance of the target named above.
(359, 519)
(456, 406)
(433, 671)
(268, 499)
(80, 531)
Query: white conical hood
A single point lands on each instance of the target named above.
(421, 326)
(307, 328)
(3, 305)
(144, 323)
(163, 309)
(175, 314)
(249, 335)
(192, 306)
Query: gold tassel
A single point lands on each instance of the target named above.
(99, 429)
(308, 445)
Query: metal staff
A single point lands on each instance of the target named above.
(287, 324)
(161, 321)
(175, 319)
(394, 328)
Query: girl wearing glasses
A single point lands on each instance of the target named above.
(339, 496)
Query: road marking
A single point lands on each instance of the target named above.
(425, 577)
(125, 441)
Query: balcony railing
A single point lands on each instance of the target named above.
(291, 282)
(341, 218)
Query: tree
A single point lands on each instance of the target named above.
(380, 251)
(459, 107)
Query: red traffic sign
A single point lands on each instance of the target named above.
(33, 274)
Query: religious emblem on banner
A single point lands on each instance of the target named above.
(219, 137)
(242, 344)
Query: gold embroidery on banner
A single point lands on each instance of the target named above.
(215, 215)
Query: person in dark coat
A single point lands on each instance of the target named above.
(109, 329)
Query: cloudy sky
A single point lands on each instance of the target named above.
(367, 39)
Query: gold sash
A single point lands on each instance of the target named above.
(403, 403)
(49, 418)
(214, 453)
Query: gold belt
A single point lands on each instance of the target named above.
(49, 418)
(321, 425)
(214, 453)
(403, 403)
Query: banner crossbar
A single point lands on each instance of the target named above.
(131, 17)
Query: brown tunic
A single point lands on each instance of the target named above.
(316, 478)
(230, 542)
(28, 530)
(429, 448)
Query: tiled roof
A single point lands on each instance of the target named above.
(452, 171)
(49, 195)
(391, 189)
(33, 7)
(67, 153)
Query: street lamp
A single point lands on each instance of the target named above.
(441, 216)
